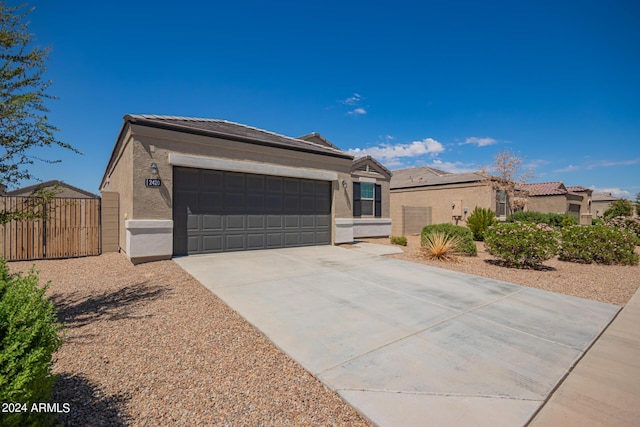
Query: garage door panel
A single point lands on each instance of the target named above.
(274, 203)
(255, 184)
(275, 222)
(234, 242)
(234, 203)
(212, 180)
(291, 221)
(274, 240)
(323, 237)
(291, 186)
(212, 222)
(323, 221)
(217, 211)
(193, 222)
(255, 241)
(212, 243)
(255, 203)
(193, 243)
(307, 221)
(234, 222)
(255, 222)
(307, 238)
(291, 239)
(210, 201)
(291, 204)
(234, 181)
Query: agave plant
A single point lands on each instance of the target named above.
(442, 246)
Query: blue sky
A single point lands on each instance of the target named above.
(444, 84)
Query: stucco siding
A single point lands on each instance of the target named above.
(155, 145)
(440, 199)
(119, 180)
(548, 204)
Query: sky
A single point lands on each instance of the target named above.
(446, 84)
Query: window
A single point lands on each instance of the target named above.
(367, 198)
(501, 203)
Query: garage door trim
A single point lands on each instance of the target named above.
(215, 163)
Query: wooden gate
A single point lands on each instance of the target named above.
(71, 229)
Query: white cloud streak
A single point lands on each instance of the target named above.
(390, 153)
(615, 191)
(357, 112)
(352, 100)
(480, 142)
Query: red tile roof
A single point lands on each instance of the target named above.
(545, 188)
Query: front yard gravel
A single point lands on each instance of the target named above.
(148, 345)
(613, 284)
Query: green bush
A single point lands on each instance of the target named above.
(29, 335)
(467, 245)
(479, 220)
(628, 223)
(551, 219)
(619, 207)
(399, 240)
(597, 221)
(522, 244)
(602, 244)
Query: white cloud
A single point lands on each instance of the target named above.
(569, 168)
(453, 167)
(352, 100)
(388, 153)
(357, 112)
(615, 191)
(480, 142)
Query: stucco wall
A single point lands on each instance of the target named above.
(119, 180)
(548, 204)
(154, 145)
(440, 200)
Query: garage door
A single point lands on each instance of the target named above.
(218, 211)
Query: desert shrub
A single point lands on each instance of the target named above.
(29, 335)
(551, 219)
(619, 207)
(440, 245)
(522, 244)
(467, 246)
(601, 244)
(399, 240)
(628, 223)
(479, 220)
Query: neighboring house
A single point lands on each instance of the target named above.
(555, 197)
(64, 190)
(188, 186)
(600, 202)
(422, 195)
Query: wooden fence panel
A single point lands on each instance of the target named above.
(70, 229)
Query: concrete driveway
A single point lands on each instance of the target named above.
(405, 343)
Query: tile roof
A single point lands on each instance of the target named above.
(603, 197)
(577, 188)
(424, 176)
(545, 188)
(224, 128)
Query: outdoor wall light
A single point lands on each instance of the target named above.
(344, 183)
(154, 169)
(453, 205)
(465, 210)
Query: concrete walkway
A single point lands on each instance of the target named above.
(604, 388)
(404, 343)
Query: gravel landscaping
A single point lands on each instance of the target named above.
(613, 284)
(148, 345)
